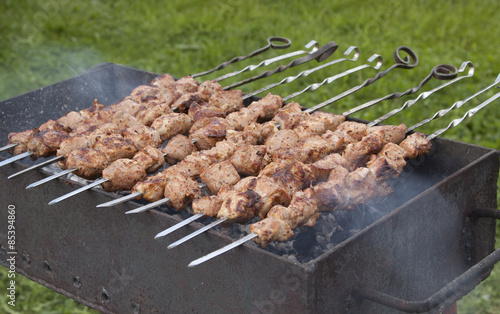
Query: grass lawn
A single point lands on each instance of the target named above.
(42, 42)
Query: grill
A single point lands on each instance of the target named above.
(421, 251)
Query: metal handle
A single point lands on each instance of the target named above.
(274, 42)
(444, 293)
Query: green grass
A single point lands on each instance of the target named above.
(45, 42)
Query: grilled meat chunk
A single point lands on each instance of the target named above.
(388, 163)
(147, 115)
(198, 111)
(122, 174)
(115, 147)
(142, 136)
(249, 160)
(266, 107)
(186, 85)
(208, 131)
(289, 116)
(21, 139)
(183, 103)
(208, 88)
(177, 149)
(165, 81)
(318, 123)
(89, 162)
(150, 158)
(219, 175)
(45, 143)
(172, 124)
(181, 190)
(240, 206)
(228, 101)
(416, 144)
(323, 167)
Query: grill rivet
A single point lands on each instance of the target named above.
(46, 266)
(26, 260)
(77, 282)
(104, 295)
(136, 309)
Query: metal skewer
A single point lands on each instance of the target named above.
(15, 158)
(424, 95)
(250, 236)
(406, 63)
(179, 225)
(52, 177)
(40, 165)
(83, 188)
(197, 232)
(274, 42)
(320, 55)
(307, 72)
(314, 44)
(8, 146)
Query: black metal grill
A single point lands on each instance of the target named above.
(424, 239)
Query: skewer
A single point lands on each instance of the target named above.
(424, 95)
(307, 72)
(40, 165)
(197, 232)
(314, 44)
(250, 236)
(320, 55)
(52, 177)
(83, 188)
(274, 42)
(8, 146)
(179, 225)
(15, 158)
(406, 63)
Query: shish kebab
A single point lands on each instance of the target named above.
(326, 50)
(153, 187)
(305, 206)
(334, 142)
(318, 54)
(354, 140)
(256, 111)
(157, 182)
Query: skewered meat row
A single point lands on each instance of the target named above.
(152, 187)
(224, 206)
(146, 103)
(343, 190)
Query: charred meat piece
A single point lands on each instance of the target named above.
(202, 110)
(150, 158)
(281, 141)
(323, 167)
(289, 116)
(228, 101)
(219, 175)
(318, 123)
(181, 190)
(21, 139)
(388, 163)
(186, 85)
(122, 174)
(183, 103)
(172, 124)
(147, 115)
(208, 131)
(115, 147)
(164, 81)
(142, 136)
(45, 143)
(240, 206)
(152, 188)
(241, 118)
(177, 149)
(416, 144)
(267, 107)
(89, 162)
(249, 160)
(208, 88)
